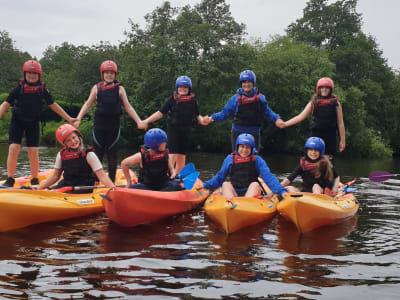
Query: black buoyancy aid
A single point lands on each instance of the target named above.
(154, 171)
(28, 105)
(76, 169)
(307, 165)
(249, 110)
(108, 100)
(324, 113)
(243, 171)
(183, 113)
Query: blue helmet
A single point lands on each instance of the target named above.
(248, 75)
(154, 138)
(317, 144)
(183, 81)
(245, 139)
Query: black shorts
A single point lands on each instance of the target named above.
(329, 137)
(178, 139)
(235, 134)
(18, 128)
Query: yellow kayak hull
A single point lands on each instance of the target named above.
(309, 211)
(239, 212)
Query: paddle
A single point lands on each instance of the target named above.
(379, 176)
(186, 170)
(189, 180)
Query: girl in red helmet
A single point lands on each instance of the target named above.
(75, 162)
(327, 116)
(27, 100)
(110, 96)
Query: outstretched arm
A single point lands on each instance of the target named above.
(300, 117)
(51, 180)
(130, 110)
(85, 108)
(61, 112)
(154, 117)
(126, 163)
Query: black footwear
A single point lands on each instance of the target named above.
(34, 181)
(9, 182)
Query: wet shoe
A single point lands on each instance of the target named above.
(9, 182)
(34, 181)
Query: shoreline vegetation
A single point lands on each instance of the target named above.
(207, 44)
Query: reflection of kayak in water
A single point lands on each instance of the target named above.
(21, 208)
(320, 241)
(131, 207)
(239, 212)
(309, 211)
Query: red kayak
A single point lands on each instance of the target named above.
(131, 207)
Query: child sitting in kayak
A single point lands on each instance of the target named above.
(315, 169)
(155, 163)
(75, 162)
(244, 168)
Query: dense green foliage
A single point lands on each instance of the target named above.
(207, 44)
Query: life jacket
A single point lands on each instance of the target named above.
(183, 113)
(28, 105)
(108, 101)
(249, 110)
(243, 171)
(154, 171)
(307, 165)
(324, 114)
(76, 169)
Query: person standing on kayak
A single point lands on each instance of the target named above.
(182, 111)
(249, 109)
(75, 162)
(244, 167)
(315, 169)
(111, 97)
(27, 100)
(156, 168)
(327, 116)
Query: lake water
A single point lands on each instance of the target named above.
(189, 257)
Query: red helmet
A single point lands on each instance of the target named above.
(64, 131)
(32, 66)
(325, 81)
(108, 65)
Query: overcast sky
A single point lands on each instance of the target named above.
(35, 25)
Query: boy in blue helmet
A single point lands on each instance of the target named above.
(315, 169)
(182, 112)
(249, 108)
(155, 163)
(244, 168)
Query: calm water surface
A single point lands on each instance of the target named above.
(189, 257)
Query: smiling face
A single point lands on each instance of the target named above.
(109, 76)
(183, 90)
(324, 91)
(31, 77)
(72, 141)
(244, 150)
(313, 154)
(247, 86)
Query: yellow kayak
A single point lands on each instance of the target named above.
(21, 208)
(239, 212)
(309, 211)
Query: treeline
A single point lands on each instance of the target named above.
(207, 44)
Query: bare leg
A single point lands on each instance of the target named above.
(180, 160)
(33, 153)
(254, 189)
(317, 189)
(13, 152)
(228, 190)
(292, 189)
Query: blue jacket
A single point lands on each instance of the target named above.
(231, 108)
(261, 167)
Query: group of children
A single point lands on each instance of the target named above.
(82, 165)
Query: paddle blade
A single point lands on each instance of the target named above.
(189, 181)
(187, 170)
(379, 176)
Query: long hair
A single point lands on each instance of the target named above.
(314, 98)
(323, 168)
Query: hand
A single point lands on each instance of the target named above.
(334, 190)
(142, 125)
(280, 124)
(283, 195)
(199, 186)
(76, 123)
(173, 174)
(207, 120)
(342, 145)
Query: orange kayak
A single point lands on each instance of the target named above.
(130, 207)
(21, 208)
(239, 212)
(309, 211)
